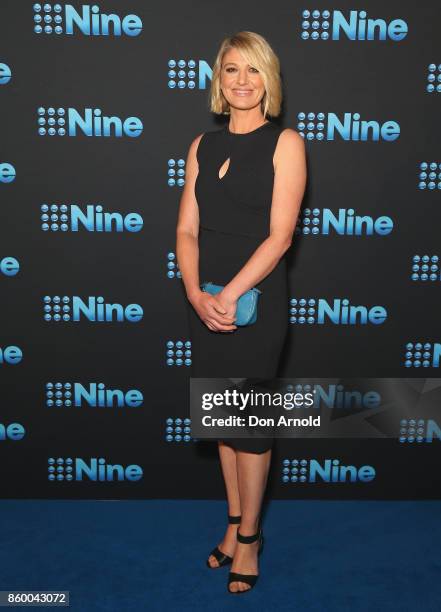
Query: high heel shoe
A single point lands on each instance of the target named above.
(221, 557)
(250, 579)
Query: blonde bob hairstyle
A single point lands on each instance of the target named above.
(259, 54)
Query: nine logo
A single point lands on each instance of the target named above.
(429, 176)
(329, 471)
(182, 74)
(324, 222)
(71, 217)
(321, 126)
(425, 267)
(58, 122)
(96, 395)
(419, 430)
(96, 470)
(341, 312)
(422, 354)
(178, 430)
(95, 310)
(51, 19)
(325, 25)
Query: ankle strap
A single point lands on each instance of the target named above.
(235, 520)
(247, 539)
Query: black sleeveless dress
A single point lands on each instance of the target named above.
(234, 215)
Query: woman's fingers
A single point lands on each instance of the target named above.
(221, 324)
(215, 320)
(219, 321)
(218, 326)
(217, 307)
(225, 319)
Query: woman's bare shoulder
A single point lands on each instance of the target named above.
(195, 142)
(290, 146)
(289, 136)
(289, 141)
(194, 146)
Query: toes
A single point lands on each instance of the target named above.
(239, 586)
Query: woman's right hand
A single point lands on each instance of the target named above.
(210, 311)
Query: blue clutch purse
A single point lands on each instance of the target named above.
(246, 312)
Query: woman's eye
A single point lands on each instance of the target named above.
(231, 68)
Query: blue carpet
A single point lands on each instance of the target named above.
(150, 555)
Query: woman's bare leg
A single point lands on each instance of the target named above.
(227, 456)
(252, 469)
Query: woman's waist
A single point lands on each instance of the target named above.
(215, 243)
(234, 232)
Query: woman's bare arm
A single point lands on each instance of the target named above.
(207, 306)
(187, 229)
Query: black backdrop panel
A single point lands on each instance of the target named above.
(128, 76)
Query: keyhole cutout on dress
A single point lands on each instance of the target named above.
(224, 168)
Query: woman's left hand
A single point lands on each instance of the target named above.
(228, 302)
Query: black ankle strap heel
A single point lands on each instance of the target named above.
(250, 579)
(221, 557)
(234, 520)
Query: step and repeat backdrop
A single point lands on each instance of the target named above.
(99, 105)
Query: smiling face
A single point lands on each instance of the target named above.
(241, 84)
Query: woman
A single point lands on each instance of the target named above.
(237, 215)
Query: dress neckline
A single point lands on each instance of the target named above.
(245, 133)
